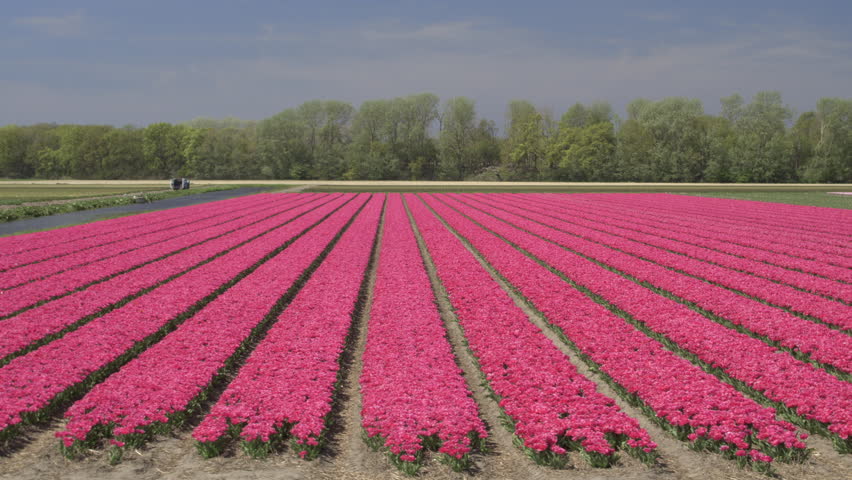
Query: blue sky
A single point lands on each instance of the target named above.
(120, 62)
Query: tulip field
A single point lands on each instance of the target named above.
(492, 335)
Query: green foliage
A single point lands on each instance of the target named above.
(410, 138)
(832, 154)
(761, 151)
(584, 153)
(458, 126)
(677, 150)
(580, 116)
(163, 149)
(525, 145)
(13, 152)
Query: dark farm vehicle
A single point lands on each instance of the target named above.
(180, 184)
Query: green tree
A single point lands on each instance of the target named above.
(832, 159)
(525, 144)
(123, 157)
(485, 152)
(584, 153)
(391, 139)
(762, 151)
(719, 143)
(163, 149)
(579, 116)
(13, 152)
(280, 145)
(457, 138)
(527, 149)
(732, 108)
(635, 145)
(333, 138)
(370, 156)
(411, 121)
(804, 137)
(675, 128)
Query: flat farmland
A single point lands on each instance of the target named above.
(15, 194)
(432, 334)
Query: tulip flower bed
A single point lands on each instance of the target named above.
(27, 295)
(50, 376)
(550, 405)
(828, 311)
(680, 243)
(113, 229)
(695, 234)
(413, 393)
(167, 221)
(287, 384)
(814, 341)
(324, 325)
(739, 214)
(42, 270)
(36, 326)
(747, 360)
(729, 233)
(173, 375)
(710, 414)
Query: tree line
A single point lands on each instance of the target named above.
(419, 138)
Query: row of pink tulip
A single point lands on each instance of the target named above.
(412, 390)
(783, 296)
(32, 325)
(692, 404)
(680, 243)
(695, 234)
(288, 382)
(57, 264)
(804, 389)
(167, 220)
(832, 221)
(761, 235)
(792, 219)
(32, 382)
(830, 218)
(66, 282)
(34, 241)
(164, 379)
(552, 405)
(820, 343)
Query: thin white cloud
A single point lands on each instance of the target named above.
(658, 16)
(445, 31)
(62, 26)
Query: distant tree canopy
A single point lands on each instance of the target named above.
(419, 138)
